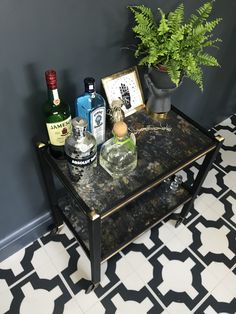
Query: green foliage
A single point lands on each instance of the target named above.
(178, 45)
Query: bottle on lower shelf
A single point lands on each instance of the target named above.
(81, 152)
(118, 155)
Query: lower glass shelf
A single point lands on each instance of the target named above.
(121, 228)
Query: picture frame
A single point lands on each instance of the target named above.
(125, 85)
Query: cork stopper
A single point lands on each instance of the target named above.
(120, 129)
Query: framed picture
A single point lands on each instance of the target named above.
(125, 85)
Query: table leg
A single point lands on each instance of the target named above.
(94, 228)
(50, 188)
(206, 166)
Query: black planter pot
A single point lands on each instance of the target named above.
(161, 79)
(160, 89)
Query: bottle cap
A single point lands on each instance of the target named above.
(89, 84)
(79, 123)
(51, 79)
(120, 129)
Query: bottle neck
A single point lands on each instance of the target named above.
(121, 140)
(79, 133)
(53, 96)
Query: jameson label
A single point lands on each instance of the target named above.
(82, 162)
(97, 118)
(59, 131)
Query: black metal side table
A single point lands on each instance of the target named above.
(105, 215)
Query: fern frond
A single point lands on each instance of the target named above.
(175, 18)
(203, 13)
(206, 59)
(174, 72)
(163, 25)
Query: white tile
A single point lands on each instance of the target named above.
(86, 301)
(145, 239)
(53, 248)
(222, 294)
(38, 301)
(98, 308)
(211, 180)
(177, 308)
(177, 276)
(230, 282)
(175, 245)
(166, 232)
(230, 180)
(218, 270)
(43, 265)
(71, 307)
(13, 262)
(123, 268)
(185, 236)
(203, 201)
(131, 307)
(212, 213)
(233, 202)
(214, 240)
(6, 296)
(83, 267)
(133, 282)
(135, 259)
(230, 137)
(228, 158)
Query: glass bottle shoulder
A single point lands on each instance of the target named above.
(81, 145)
(90, 101)
(56, 112)
(116, 143)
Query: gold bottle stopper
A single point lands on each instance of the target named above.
(120, 129)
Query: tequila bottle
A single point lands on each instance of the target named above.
(118, 155)
(92, 107)
(81, 152)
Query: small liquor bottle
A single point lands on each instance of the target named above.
(118, 155)
(92, 107)
(81, 152)
(58, 117)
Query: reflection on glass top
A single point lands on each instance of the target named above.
(159, 152)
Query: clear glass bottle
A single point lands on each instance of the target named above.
(118, 155)
(92, 107)
(81, 152)
(57, 115)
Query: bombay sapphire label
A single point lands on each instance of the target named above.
(82, 162)
(98, 117)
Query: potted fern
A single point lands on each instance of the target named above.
(174, 46)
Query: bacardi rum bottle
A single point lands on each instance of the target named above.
(57, 115)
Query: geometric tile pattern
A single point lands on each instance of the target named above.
(189, 269)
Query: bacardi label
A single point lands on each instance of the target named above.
(97, 118)
(59, 131)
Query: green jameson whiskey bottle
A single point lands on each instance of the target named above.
(58, 117)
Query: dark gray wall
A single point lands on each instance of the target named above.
(78, 38)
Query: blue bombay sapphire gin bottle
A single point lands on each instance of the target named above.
(92, 107)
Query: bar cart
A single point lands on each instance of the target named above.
(107, 214)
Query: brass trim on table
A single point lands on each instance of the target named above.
(133, 197)
(219, 138)
(93, 215)
(40, 145)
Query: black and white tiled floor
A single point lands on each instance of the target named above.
(191, 269)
